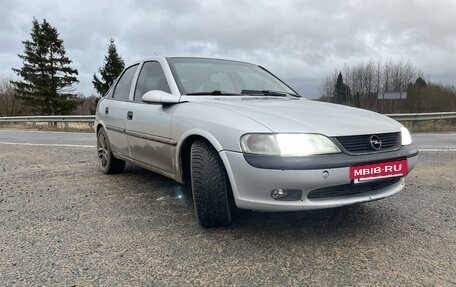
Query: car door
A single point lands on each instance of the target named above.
(149, 127)
(115, 110)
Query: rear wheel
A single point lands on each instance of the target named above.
(106, 160)
(210, 186)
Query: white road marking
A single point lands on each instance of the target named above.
(53, 145)
(434, 134)
(438, 149)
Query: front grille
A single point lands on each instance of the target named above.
(350, 189)
(362, 143)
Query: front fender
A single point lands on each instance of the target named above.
(222, 128)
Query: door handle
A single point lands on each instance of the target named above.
(129, 115)
(106, 110)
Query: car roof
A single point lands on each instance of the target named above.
(164, 58)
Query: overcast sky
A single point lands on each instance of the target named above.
(300, 41)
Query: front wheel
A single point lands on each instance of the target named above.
(210, 186)
(106, 160)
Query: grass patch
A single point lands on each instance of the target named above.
(68, 127)
(446, 125)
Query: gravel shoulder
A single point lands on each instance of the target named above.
(64, 223)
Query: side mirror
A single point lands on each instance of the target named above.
(159, 97)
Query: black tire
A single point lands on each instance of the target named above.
(106, 160)
(210, 186)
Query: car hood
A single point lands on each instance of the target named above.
(306, 116)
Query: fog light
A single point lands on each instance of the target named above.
(286, 194)
(278, 193)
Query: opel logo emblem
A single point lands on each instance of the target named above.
(375, 142)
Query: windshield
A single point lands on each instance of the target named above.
(221, 77)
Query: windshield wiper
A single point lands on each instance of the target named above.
(268, 93)
(214, 92)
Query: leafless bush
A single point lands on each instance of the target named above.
(88, 105)
(9, 103)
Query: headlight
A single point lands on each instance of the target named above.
(406, 137)
(287, 144)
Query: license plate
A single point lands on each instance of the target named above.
(378, 170)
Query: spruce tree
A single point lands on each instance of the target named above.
(113, 65)
(47, 79)
(342, 93)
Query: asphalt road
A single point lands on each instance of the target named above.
(63, 223)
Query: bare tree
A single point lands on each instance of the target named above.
(9, 103)
(327, 87)
(88, 105)
(369, 79)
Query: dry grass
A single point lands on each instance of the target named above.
(448, 125)
(70, 127)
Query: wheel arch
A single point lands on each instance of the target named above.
(183, 151)
(98, 126)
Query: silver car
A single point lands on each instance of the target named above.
(241, 137)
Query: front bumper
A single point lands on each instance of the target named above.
(252, 180)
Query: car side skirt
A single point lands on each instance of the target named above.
(146, 166)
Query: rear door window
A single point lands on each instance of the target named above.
(122, 91)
